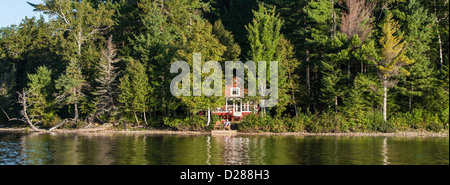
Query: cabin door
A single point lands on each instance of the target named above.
(237, 106)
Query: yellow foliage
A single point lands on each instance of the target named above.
(393, 51)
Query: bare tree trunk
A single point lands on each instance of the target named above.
(333, 30)
(209, 117)
(410, 100)
(308, 79)
(25, 114)
(441, 60)
(295, 105)
(22, 99)
(385, 100)
(308, 76)
(135, 117)
(75, 118)
(336, 104)
(362, 67)
(440, 50)
(145, 119)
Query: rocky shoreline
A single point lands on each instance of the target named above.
(103, 130)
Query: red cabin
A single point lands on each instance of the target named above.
(234, 108)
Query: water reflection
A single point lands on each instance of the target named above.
(106, 149)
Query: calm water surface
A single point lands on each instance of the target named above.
(68, 149)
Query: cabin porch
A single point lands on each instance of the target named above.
(235, 109)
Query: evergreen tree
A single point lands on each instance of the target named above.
(69, 86)
(166, 25)
(40, 100)
(203, 41)
(332, 74)
(392, 58)
(418, 34)
(134, 90)
(107, 90)
(319, 21)
(333, 55)
(287, 77)
(233, 51)
(264, 35)
(235, 15)
(80, 18)
(80, 27)
(154, 46)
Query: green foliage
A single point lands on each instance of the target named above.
(377, 123)
(134, 89)
(203, 41)
(335, 70)
(69, 86)
(40, 100)
(418, 119)
(233, 50)
(264, 35)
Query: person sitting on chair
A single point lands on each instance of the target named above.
(226, 124)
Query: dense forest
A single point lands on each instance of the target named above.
(344, 65)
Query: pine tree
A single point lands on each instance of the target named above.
(107, 78)
(318, 31)
(154, 46)
(203, 41)
(331, 77)
(80, 26)
(233, 51)
(39, 90)
(80, 18)
(364, 95)
(392, 58)
(69, 86)
(418, 33)
(165, 27)
(235, 15)
(356, 20)
(287, 77)
(134, 90)
(264, 35)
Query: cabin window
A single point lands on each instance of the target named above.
(235, 91)
(229, 105)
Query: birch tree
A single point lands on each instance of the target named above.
(392, 58)
(79, 18)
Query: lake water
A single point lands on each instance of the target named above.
(105, 149)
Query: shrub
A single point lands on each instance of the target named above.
(197, 122)
(328, 123)
(172, 122)
(296, 124)
(433, 123)
(376, 123)
(249, 123)
(401, 121)
(416, 119)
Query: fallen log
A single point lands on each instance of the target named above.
(22, 100)
(58, 125)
